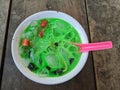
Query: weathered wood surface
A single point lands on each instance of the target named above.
(4, 8)
(12, 78)
(104, 22)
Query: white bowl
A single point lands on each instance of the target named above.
(18, 60)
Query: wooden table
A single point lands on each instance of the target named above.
(99, 18)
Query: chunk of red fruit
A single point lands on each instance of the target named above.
(25, 42)
(44, 23)
(41, 33)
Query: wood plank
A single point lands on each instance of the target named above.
(104, 21)
(4, 8)
(12, 78)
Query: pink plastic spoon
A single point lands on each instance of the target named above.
(94, 46)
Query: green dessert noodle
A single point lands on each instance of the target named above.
(45, 47)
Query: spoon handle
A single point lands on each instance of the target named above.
(95, 46)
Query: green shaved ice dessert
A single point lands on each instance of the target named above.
(45, 47)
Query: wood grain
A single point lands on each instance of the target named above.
(104, 22)
(12, 78)
(4, 8)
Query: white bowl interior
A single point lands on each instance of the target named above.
(31, 75)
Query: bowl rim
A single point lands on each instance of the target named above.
(48, 80)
